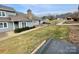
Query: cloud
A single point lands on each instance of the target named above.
(38, 7)
(49, 7)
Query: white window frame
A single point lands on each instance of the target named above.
(6, 24)
(3, 25)
(4, 13)
(23, 23)
(0, 13)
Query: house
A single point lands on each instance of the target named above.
(74, 16)
(10, 19)
(69, 18)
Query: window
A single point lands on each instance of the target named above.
(0, 13)
(24, 24)
(3, 25)
(3, 13)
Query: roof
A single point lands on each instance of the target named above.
(23, 18)
(18, 18)
(6, 8)
(3, 19)
(13, 18)
(19, 13)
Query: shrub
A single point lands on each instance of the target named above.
(18, 30)
(46, 23)
(26, 28)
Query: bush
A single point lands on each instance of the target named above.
(46, 23)
(18, 30)
(26, 28)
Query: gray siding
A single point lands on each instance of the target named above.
(36, 23)
(10, 27)
(10, 14)
(28, 24)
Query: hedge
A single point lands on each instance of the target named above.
(18, 30)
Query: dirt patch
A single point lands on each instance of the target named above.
(74, 34)
(3, 34)
(72, 22)
(6, 34)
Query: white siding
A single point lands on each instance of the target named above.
(20, 24)
(36, 23)
(10, 27)
(29, 24)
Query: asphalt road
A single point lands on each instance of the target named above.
(60, 47)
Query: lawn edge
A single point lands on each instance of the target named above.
(35, 50)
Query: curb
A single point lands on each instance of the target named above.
(42, 47)
(39, 47)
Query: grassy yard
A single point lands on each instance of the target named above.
(55, 21)
(27, 42)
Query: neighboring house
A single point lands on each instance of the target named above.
(69, 18)
(10, 19)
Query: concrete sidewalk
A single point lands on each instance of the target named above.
(68, 24)
(61, 22)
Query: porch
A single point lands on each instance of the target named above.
(17, 24)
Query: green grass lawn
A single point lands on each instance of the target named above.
(27, 42)
(55, 21)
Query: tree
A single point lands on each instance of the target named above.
(44, 17)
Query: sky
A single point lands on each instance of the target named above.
(41, 9)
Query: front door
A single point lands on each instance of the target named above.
(16, 24)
